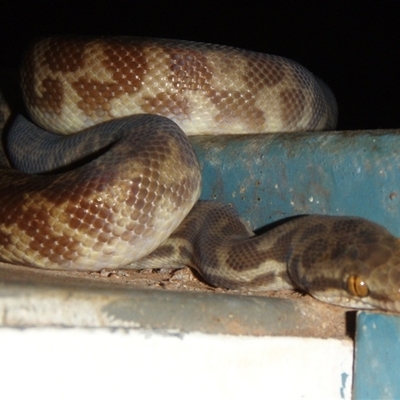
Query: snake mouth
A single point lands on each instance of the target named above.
(368, 302)
(385, 301)
(345, 301)
(384, 305)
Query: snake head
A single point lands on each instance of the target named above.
(355, 264)
(373, 281)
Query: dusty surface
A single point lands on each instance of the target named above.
(325, 321)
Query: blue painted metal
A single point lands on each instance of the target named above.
(377, 357)
(269, 177)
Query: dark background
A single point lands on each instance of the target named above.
(352, 45)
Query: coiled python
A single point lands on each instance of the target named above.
(124, 193)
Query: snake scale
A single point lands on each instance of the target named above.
(123, 192)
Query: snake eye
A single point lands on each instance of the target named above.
(357, 286)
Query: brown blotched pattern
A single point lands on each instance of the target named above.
(72, 83)
(108, 212)
(117, 207)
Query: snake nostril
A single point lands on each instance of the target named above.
(357, 286)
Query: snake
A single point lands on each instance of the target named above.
(105, 176)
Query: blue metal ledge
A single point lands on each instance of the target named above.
(269, 177)
(377, 357)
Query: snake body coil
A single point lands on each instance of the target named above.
(112, 195)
